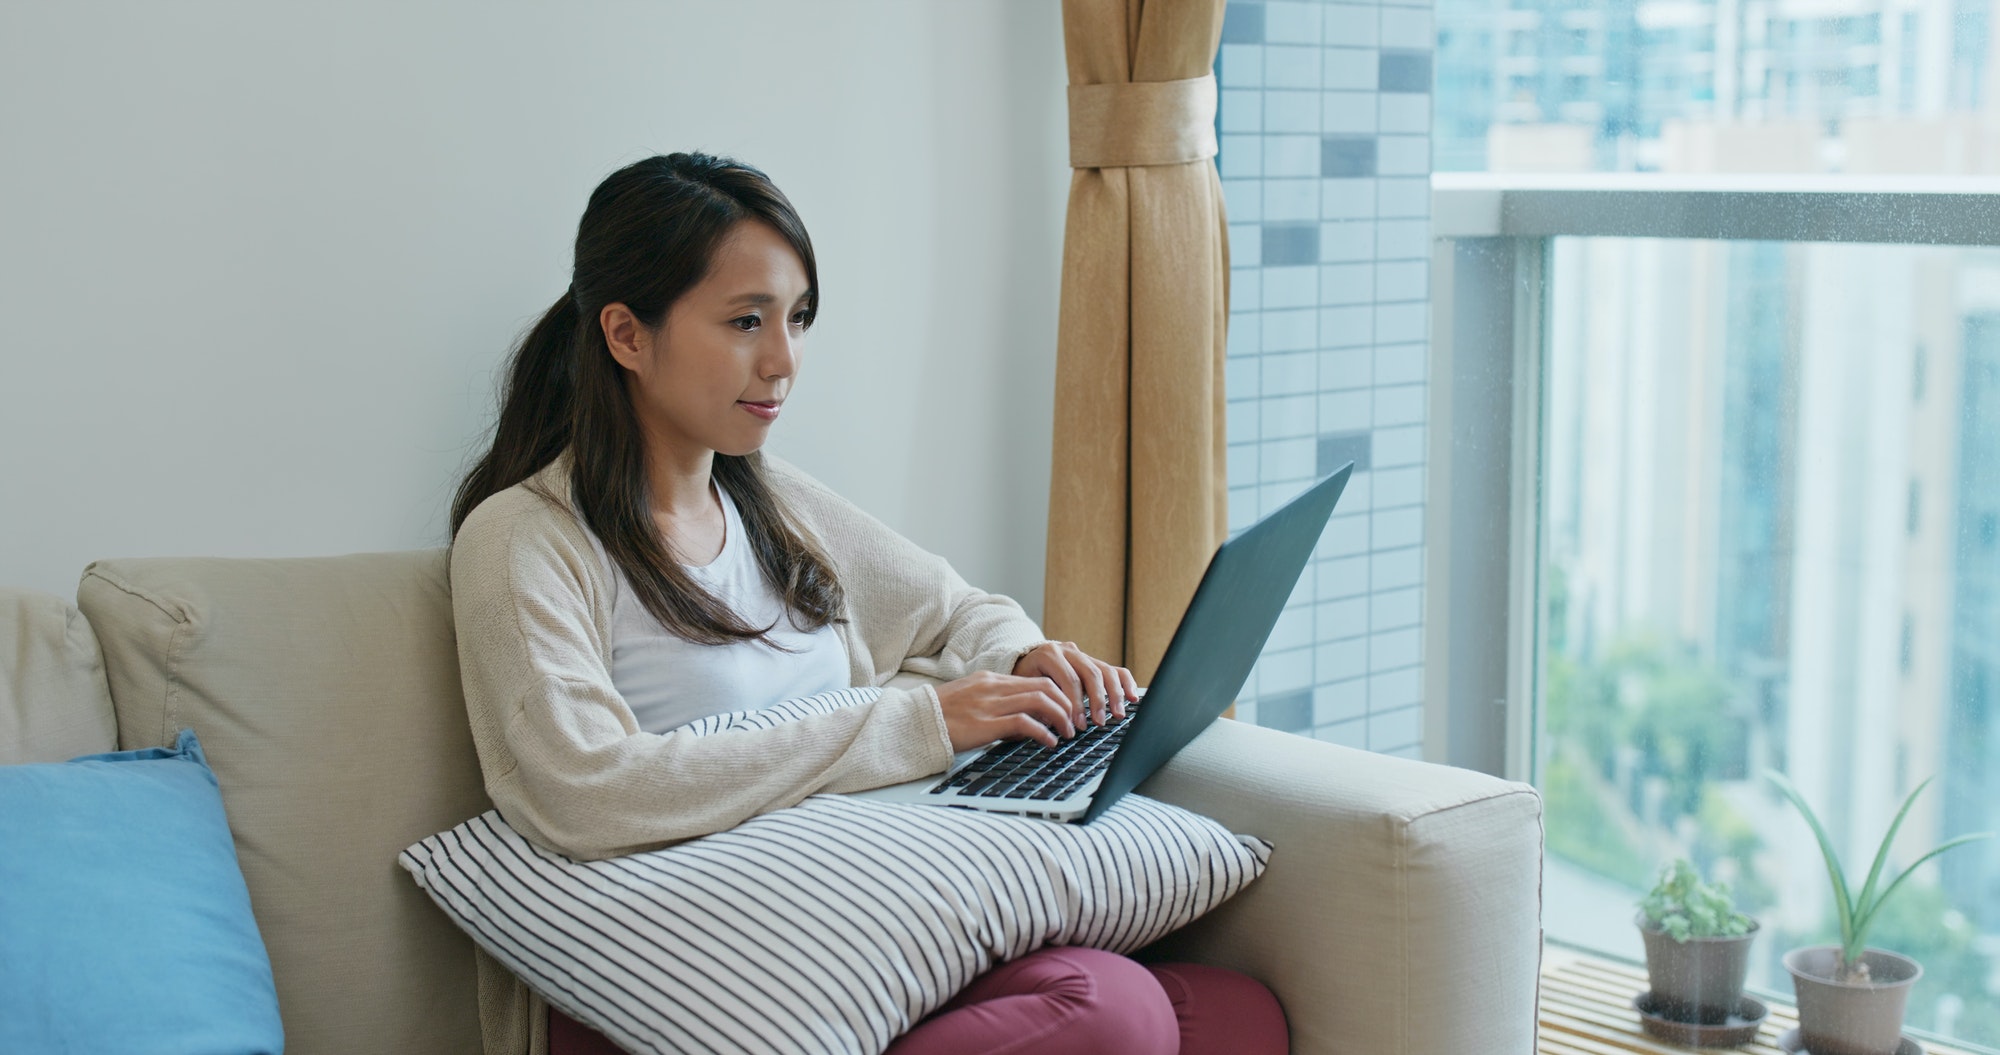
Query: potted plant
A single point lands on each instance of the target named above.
(1851, 997)
(1697, 948)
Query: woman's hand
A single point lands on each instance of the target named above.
(1090, 686)
(984, 707)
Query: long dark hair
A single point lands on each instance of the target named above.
(648, 235)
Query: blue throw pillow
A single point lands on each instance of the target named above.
(125, 927)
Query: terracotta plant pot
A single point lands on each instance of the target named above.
(1698, 980)
(1838, 1018)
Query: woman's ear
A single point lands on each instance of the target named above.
(627, 339)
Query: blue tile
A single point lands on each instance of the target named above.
(1399, 363)
(1285, 672)
(1398, 446)
(1291, 287)
(1290, 374)
(1242, 110)
(1349, 113)
(1408, 280)
(1346, 240)
(1350, 69)
(1347, 283)
(1290, 712)
(1243, 200)
(1345, 157)
(1401, 405)
(1405, 112)
(1291, 155)
(1345, 411)
(1291, 66)
(1407, 29)
(1401, 198)
(1289, 330)
(1245, 243)
(1291, 23)
(1405, 71)
(1243, 23)
(1345, 368)
(1346, 327)
(1403, 155)
(1290, 243)
(1403, 240)
(1353, 24)
(1403, 322)
(1241, 156)
(1338, 448)
(1291, 111)
(1240, 66)
(1239, 378)
(1290, 199)
(1348, 199)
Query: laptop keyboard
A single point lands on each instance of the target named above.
(1024, 769)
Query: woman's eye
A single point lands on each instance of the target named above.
(800, 318)
(746, 323)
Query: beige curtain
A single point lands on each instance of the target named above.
(1138, 498)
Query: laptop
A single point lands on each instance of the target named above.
(1218, 640)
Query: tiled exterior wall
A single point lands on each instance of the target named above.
(1325, 161)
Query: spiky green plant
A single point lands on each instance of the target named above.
(1685, 907)
(1857, 914)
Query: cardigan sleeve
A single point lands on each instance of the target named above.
(912, 610)
(563, 758)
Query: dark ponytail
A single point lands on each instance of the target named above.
(648, 235)
(534, 423)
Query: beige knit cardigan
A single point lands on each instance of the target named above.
(565, 761)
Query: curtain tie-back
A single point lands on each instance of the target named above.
(1141, 123)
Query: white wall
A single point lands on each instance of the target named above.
(260, 264)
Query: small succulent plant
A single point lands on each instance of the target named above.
(1685, 907)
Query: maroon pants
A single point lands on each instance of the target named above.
(1062, 1000)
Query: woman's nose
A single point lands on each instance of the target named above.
(780, 354)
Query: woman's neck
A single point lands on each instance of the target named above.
(680, 487)
(685, 506)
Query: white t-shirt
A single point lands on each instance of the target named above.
(669, 681)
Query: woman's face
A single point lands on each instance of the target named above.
(714, 374)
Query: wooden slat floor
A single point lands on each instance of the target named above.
(1587, 1010)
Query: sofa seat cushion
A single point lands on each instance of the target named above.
(127, 926)
(834, 925)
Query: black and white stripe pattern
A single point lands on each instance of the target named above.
(832, 926)
(779, 713)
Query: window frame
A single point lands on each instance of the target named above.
(1491, 236)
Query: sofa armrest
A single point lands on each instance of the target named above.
(1401, 912)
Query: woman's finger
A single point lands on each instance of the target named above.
(1022, 727)
(1053, 663)
(1046, 702)
(1131, 689)
(1094, 685)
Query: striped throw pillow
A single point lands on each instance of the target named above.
(832, 926)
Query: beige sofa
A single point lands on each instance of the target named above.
(1400, 914)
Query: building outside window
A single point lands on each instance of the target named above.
(1768, 473)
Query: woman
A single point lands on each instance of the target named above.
(624, 562)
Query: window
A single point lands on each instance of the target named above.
(1718, 488)
(1752, 550)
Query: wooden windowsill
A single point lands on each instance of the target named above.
(1587, 1010)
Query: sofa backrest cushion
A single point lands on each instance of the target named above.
(326, 694)
(54, 704)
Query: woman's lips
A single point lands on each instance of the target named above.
(765, 411)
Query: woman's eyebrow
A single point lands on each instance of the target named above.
(761, 299)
